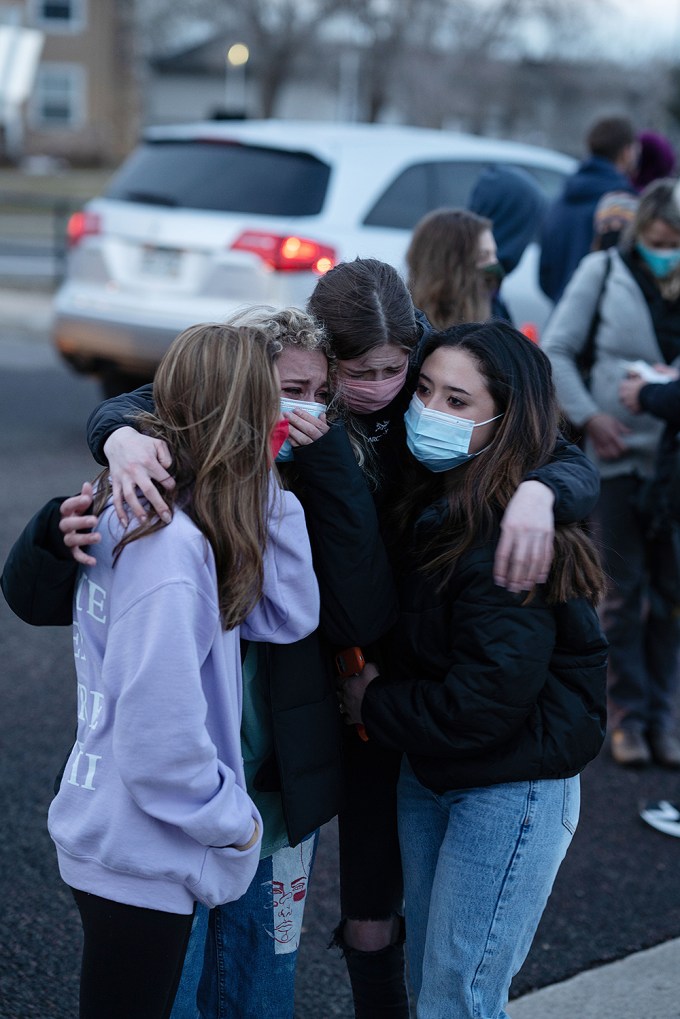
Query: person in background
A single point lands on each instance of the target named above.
(568, 225)
(614, 212)
(497, 699)
(454, 273)
(369, 318)
(514, 203)
(151, 813)
(656, 159)
(639, 320)
(662, 400)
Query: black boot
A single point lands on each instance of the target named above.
(377, 978)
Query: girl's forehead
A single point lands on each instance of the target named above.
(302, 363)
(387, 355)
(452, 363)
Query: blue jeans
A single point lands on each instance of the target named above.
(479, 865)
(241, 959)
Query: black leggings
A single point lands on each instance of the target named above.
(371, 885)
(132, 959)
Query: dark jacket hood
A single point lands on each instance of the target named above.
(515, 204)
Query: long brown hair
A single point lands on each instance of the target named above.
(519, 379)
(443, 277)
(216, 398)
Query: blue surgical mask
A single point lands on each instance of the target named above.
(661, 263)
(285, 454)
(437, 440)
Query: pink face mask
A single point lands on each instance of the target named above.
(367, 397)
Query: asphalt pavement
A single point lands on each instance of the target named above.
(608, 946)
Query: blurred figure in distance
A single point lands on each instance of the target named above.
(453, 269)
(656, 159)
(568, 227)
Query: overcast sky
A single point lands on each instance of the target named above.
(646, 26)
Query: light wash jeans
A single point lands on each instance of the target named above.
(479, 865)
(240, 963)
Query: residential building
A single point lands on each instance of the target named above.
(84, 107)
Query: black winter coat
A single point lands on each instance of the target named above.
(481, 689)
(659, 501)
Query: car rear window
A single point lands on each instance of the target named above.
(223, 177)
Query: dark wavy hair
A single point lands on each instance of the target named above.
(519, 380)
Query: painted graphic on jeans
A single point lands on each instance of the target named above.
(286, 894)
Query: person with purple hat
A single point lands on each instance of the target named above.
(657, 159)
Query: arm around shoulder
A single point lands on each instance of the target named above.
(113, 414)
(573, 479)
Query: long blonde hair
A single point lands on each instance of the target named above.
(216, 401)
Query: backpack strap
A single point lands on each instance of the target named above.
(586, 357)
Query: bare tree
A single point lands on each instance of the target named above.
(277, 32)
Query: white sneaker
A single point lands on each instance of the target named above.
(663, 816)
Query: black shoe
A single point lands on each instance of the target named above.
(629, 747)
(663, 816)
(665, 748)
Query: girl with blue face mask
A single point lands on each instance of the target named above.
(442, 426)
(496, 699)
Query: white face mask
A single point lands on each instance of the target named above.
(437, 440)
(285, 454)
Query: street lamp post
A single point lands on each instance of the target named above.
(235, 84)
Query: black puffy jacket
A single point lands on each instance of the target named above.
(480, 688)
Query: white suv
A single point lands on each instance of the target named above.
(207, 218)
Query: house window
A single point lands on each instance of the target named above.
(59, 97)
(59, 15)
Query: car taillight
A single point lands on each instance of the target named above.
(288, 253)
(530, 331)
(82, 224)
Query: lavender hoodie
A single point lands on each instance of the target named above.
(153, 794)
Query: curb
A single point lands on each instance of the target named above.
(641, 986)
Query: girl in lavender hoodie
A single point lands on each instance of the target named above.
(152, 813)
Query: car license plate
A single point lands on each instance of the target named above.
(160, 261)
